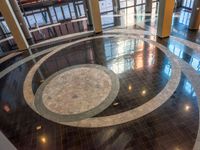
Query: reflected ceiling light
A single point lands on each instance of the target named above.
(6, 108)
(144, 92)
(115, 104)
(187, 107)
(43, 139)
(39, 127)
(129, 87)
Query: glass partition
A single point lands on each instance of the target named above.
(7, 42)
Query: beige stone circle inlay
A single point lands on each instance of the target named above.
(76, 90)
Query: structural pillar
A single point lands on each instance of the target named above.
(195, 16)
(13, 24)
(166, 8)
(21, 21)
(148, 6)
(94, 11)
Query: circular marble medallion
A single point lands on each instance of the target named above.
(77, 92)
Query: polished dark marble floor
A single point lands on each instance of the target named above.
(141, 68)
(143, 71)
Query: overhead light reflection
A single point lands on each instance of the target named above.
(177, 148)
(143, 92)
(43, 139)
(39, 127)
(6, 108)
(130, 87)
(115, 104)
(187, 107)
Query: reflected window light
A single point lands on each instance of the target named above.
(151, 46)
(188, 3)
(168, 70)
(194, 94)
(151, 59)
(120, 65)
(176, 50)
(139, 62)
(118, 49)
(185, 17)
(195, 64)
(188, 87)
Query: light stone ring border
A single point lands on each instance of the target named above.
(45, 112)
(116, 119)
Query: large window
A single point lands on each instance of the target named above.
(130, 3)
(105, 5)
(188, 3)
(184, 17)
(54, 13)
(6, 41)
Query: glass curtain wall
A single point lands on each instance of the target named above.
(187, 3)
(6, 40)
(127, 9)
(52, 18)
(53, 13)
(48, 19)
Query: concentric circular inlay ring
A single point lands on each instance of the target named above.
(120, 118)
(77, 92)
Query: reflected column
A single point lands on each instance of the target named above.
(116, 8)
(148, 6)
(195, 16)
(13, 25)
(21, 21)
(166, 9)
(99, 50)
